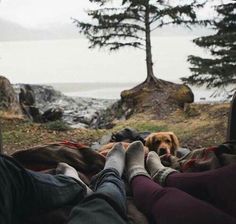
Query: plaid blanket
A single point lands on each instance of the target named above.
(203, 159)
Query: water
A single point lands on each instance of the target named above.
(113, 90)
(100, 74)
(60, 61)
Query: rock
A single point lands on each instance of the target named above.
(183, 95)
(27, 96)
(105, 139)
(32, 113)
(158, 98)
(8, 98)
(94, 123)
(52, 114)
(27, 102)
(77, 111)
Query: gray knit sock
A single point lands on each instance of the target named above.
(135, 161)
(116, 158)
(67, 170)
(157, 171)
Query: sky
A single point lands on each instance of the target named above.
(66, 61)
(44, 13)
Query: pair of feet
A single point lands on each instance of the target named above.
(132, 160)
(134, 163)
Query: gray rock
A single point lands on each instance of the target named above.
(8, 98)
(77, 111)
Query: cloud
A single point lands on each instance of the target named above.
(38, 13)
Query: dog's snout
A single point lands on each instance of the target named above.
(162, 151)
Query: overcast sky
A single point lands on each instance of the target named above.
(43, 13)
(70, 60)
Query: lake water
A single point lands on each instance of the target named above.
(95, 73)
(113, 90)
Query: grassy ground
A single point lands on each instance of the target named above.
(201, 125)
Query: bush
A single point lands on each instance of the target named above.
(57, 126)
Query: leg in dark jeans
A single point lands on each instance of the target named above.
(170, 205)
(108, 203)
(218, 186)
(22, 191)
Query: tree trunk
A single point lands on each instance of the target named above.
(149, 63)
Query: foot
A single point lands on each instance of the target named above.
(116, 158)
(153, 163)
(157, 171)
(67, 170)
(135, 160)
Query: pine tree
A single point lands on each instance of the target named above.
(130, 23)
(219, 70)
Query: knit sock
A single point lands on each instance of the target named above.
(157, 171)
(135, 161)
(67, 170)
(116, 158)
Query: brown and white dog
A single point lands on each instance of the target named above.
(162, 143)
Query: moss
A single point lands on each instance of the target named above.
(57, 126)
(184, 94)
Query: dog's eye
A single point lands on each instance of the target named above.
(167, 141)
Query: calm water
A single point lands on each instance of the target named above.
(101, 74)
(63, 61)
(113, 90)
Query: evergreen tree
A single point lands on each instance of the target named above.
(130, 23)
(219, 70)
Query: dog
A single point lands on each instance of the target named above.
(162, 143)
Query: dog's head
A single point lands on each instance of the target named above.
(162, 143)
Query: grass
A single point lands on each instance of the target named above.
(206, 128)
(57, 126)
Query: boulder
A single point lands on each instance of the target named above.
(158, 99)
(52, 114)
(8, 98)
(27, 96)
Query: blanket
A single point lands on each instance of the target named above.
(44, 158)
(203, 159)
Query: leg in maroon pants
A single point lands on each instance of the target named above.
(170, 205)
(217, 187)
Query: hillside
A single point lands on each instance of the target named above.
(201, 125)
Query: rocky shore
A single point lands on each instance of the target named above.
(77, 112)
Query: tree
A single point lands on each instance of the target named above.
(219, 70)
(130, 23)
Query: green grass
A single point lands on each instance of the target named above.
(57, 126)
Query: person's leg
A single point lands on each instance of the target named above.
(170, 205)
(166, 205)
(22, 191)
(218, 186)
(108, 202)
(215, 186)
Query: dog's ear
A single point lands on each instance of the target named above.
(175, 143)
(150, 142)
